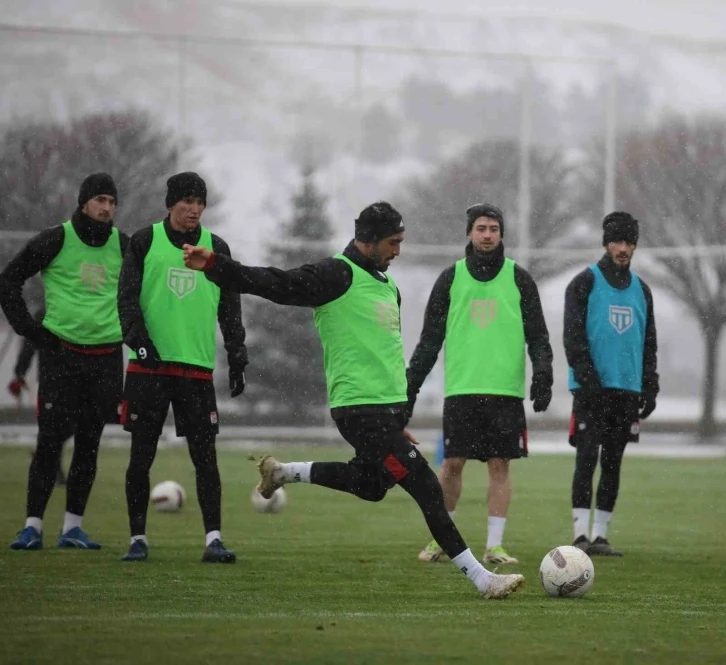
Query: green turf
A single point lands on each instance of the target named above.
(335, 580)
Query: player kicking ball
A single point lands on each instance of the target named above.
(357, 313)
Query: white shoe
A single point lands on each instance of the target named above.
(500, 586)
(272, 476)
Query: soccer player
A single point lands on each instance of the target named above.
(80, 367)
(487, 308)
(18, 384)
(357, 314)
(169, 320)
(611, 347)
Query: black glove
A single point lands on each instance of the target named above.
(647, 406)
(540, 392)
(147, 356)
(236, 376)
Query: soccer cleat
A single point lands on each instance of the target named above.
(601, 547)
(78, 539)
(272, 476)
(498, 556)
(138, 551)
(431, 553)
(582, 543)
(215, 553)
(500, 586)
(28, 539)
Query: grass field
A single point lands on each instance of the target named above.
(335, 580)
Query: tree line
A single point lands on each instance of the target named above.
(671, 176)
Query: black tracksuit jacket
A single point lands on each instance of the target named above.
(34, 257)
(135, 334)
(483, 267)
(577, 347)
(311, 285)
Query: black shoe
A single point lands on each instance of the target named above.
(215, 553)
(582, 543)
(138, 551)
(601, 547)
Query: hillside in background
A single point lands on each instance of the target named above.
(219, 72)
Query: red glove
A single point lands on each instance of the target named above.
(16, 387)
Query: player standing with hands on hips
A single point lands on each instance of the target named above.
(611, 347)
(488, 310)
(169, 321)
(80, 366)
(357, 313)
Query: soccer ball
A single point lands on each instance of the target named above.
(566, 572)
(168, 497)
(272, 505)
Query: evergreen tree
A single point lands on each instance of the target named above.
(286, 368)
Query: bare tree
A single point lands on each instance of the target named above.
(287, 369)
(489, 171)
(43, 164)
(673, 178)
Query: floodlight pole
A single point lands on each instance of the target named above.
(524, 198)
(611, 121)
(181, 92)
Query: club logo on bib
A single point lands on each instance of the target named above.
(483, 312)
(181, 281)
(621, 318)
(93, 276)
(387, 315)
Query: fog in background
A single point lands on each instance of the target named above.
(377, 96)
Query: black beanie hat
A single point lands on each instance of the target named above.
(483, 210)
(185, 184)
(95, 185)
(618, 227)
(377, 221)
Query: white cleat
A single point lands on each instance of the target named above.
(500, 586)
(272, 476)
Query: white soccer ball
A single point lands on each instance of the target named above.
(168, 497)
(566, 572)
(272, 505)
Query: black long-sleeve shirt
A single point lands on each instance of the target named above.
(311, 285)
(483, 267)
(133, 326)
(38, 255)
(577, 348)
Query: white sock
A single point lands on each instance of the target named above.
(466, 562)
(143, 539)
(600, 523)
(452, 513)
(71, 521)
(581, 520)
(213, 535)
(36, 523)
(495, 531)
(297, 472)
